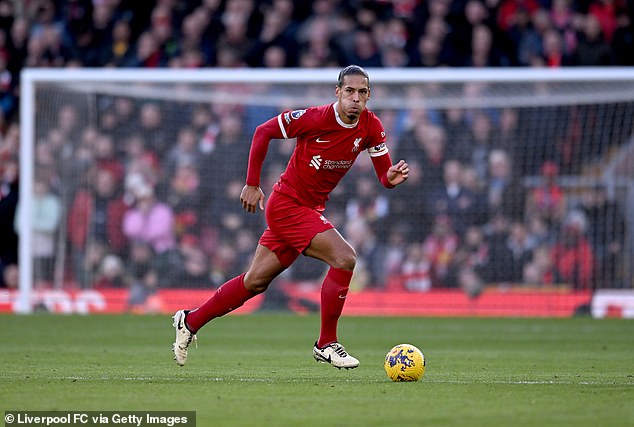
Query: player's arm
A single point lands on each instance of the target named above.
(252, 195)
(390, 175)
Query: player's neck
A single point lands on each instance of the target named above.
(342, 119)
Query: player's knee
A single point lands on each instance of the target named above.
(346, 260)
(257, 285)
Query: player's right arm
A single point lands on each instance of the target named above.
(252, 195)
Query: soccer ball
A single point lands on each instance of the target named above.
(404, 362)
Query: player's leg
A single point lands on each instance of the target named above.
(330, 247)
(264, 267)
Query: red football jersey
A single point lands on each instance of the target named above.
(325, 150)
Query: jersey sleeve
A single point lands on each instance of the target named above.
(292, 123)
(376, 145)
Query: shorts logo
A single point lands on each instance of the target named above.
(316, 162)
(297, 114)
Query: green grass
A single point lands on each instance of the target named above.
(258, 370)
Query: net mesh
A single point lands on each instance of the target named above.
(517, 183)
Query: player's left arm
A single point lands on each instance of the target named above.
(252, 195)
(390, 175)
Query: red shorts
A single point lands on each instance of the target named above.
(291, 227)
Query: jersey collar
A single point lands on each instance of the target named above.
(341, 122)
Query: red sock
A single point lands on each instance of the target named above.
(228, 297)
(333, 297)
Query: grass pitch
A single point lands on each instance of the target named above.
(257, 370)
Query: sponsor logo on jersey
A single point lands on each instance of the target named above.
(316, 162)
(322, 140)
(337, 164)
(297, 114)
(287, 117)
(357, 141)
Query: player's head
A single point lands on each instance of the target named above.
(352, 70)
(353, 92)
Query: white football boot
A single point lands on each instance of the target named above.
(336, 355)
(183, 337)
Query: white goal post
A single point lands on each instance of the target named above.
(393, 89)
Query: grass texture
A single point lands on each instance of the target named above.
(258, 370)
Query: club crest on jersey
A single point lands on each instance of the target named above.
(356, 143)
(297, 114)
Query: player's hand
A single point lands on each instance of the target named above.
(252, 197)
(397, 174)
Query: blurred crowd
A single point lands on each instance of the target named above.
(152, 205)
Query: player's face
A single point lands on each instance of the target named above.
(352, 95)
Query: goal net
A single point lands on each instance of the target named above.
(520, 183)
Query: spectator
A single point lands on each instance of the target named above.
(364, 51)
(9, 191)
(592, 49)
(539, 271)
(10, 278)
(121, 46)
(426, 142)
(623, 40)
(605, 13)
(368, 271)
(367, 204)
(606, 233)
(46, 214)
(470, 269)
(184, 197)
(147, 53)
(527, 36)
(508, 9)
(554, 52)
(18, 45)
(455, 201)
(395, 245)
(190, 266)
(505, 194)
(572, 256)
(548, 199)
(143, 275)
(152, 127)
(521, 245)
(106, 157)
(94, 222)
(416, 270)
(184, 152)
(483, 51)
(497, 233)
(149, 220)
(415, 215)
(481, 142)
(439, 248)
(111, 274)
